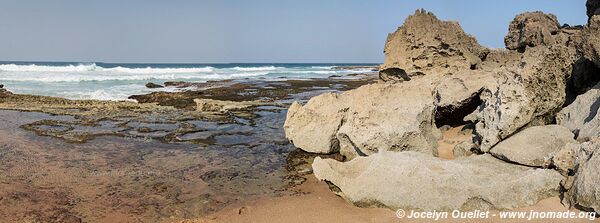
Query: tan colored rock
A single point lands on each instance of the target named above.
(534, 146)
(424, 45)
(591, 40)
(463, 149)
(383, 116)
(532, 29)
(529, 94)
(583, 115)
(314, 126)
(458, 95)
(410, 180)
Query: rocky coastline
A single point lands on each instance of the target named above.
(532, 111)
(443, 124)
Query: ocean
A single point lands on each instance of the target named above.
(117, 81)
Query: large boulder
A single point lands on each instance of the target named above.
(410, 180)
(584, 186)
(528, 94)
(383, 116)
(583, 115)
(534, 146)
(424, 45)
(532, 29)
(314, 126)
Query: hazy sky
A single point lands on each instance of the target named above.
(239, 30)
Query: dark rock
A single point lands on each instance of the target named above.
(153, 85)
(393, 74)
(593, 8)
(176, 99)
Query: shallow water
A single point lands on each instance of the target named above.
(125, 177)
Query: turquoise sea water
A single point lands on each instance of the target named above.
(113, 81)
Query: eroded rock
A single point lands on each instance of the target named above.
(583, 115)
(534, 146)
(383, 116)
(410, 180)
(424, 45)
(527, 95)
(532, 29)
(584, 190)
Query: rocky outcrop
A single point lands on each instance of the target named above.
(534, 146)
(583, 189)
(153, 85)
(583, 115)
(532, 29)
(530, 93)
(590, 45)
(424, 45)
(410, 180)
(4, 92)
(384, 116)
(210, 105)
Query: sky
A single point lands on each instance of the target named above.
(229, 31)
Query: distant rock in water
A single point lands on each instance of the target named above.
(1, 85)
(153, 85)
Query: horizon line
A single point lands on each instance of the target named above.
(104, 62)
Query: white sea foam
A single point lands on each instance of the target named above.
(94, 67)
(42, 68)
(93, 81)
(267, 68)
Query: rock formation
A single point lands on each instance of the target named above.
(532, 29)
(583, 115)
(583, 189)
(383, 116)
(436, 74)
(426, 45)
(530, 90)
(153, 85)
(534, 146)
(211, 105)
(410, 180)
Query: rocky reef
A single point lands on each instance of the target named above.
(534, 107)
